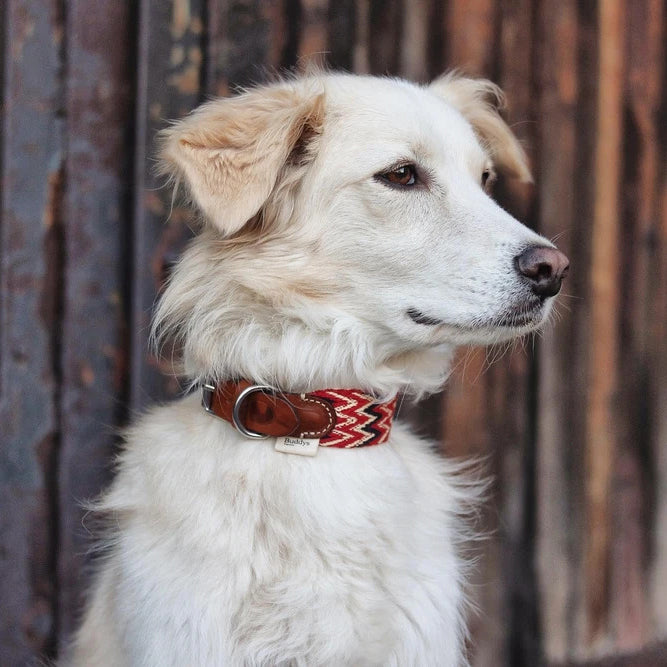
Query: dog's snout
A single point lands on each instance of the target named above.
(544, 268)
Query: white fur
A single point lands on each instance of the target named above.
(225, 552)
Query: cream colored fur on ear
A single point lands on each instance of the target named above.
(480, 100)
(231, 151)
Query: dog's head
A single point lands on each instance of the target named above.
(351, 211)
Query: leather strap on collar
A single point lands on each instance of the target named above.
(337, 417)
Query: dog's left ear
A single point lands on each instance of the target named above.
(480, 101)
(230, 152)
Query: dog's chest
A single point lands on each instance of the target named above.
(267, 558)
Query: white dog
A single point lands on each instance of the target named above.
(347, 247)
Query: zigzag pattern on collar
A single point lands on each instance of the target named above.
(361, 421)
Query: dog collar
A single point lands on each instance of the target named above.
(341, 418)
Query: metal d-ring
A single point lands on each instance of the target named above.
(236, 418)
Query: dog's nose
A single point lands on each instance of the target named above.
(544, 268)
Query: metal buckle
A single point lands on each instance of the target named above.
(207, 398)
(207, 391)
(236, 420)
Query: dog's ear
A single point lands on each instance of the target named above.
(480, 102)
(230, 152)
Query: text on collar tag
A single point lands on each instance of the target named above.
(300, 446)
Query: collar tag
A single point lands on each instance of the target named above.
(300, 446)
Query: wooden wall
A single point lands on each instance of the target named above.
(572, 424)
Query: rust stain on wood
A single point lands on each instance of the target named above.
(180, 18)
(186, 81)
(54, 188)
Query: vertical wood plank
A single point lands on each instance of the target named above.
(313, 37)
(515, 407)
(385, 35)
(249, 40)
(601, 423)
(31, 178)
(361, 59)
(96, 209)
(341, 35)
(470, 30)
(474, 399)
(414, 44)
(465, 429)
(169, 73)
(635, 483)
(558, 520)
(658, 352)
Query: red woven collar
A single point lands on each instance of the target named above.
(341, 418)
(360, 420)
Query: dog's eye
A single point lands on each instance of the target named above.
(405, 175)
(488, 179)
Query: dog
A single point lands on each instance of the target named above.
(348, 245)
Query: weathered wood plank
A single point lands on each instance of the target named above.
(385, 34)
(658, 352)
(514, 378)
(361, 60)
(95, 225)
(169, 73)
(634, 485)
(313, 31)
(31, 178)
(341, 34)
(471, 35)
(480, 409)
(558, 460)
(414, 43)
(248, 40)
(602, 423)
(648, 102)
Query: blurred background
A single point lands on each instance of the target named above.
(572, 424)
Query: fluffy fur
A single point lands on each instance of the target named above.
(225, 552)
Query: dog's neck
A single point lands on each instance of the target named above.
(227, 330)
(299, 360)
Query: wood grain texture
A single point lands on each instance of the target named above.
(169, 66)
(471, 28)
(313, 34)
(95, 211)
(248, 41)
(414, 44)
(602, 409)
(640, 293)
(30, 265)
(572, 425)
(341, 34)
(657, 527)
(558, 522)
